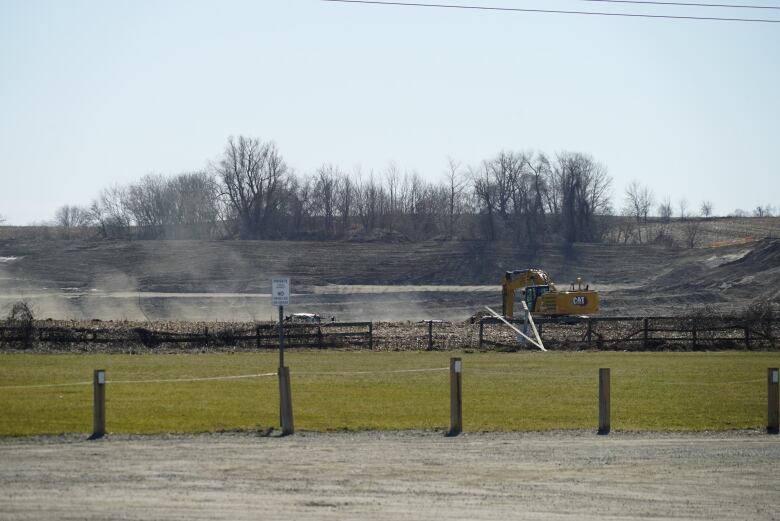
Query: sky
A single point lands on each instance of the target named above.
(98, 93)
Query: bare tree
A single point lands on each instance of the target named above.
(766, 210)
(683, 206)
(369, 202)
(253, 176)
(509, 190)
(455, 185)
(691, 232)
(529, 195)
(486, 197)
(300, 204)
(147, 203)
(69, 217)
(110, 213)
(345, 195)
(706, 209)
(626, 227)
(393, 180)
(638, 200)
(193, 205)
(665, 209)
(72, 216)
(584, 187)
(324, 195)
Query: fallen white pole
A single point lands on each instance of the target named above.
(533, 326)
(502, 319)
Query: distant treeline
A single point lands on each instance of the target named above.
(251, 193)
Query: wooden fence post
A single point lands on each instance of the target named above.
(370, 335)
(285, 402)
(481, 333)
(99, 404)
(604, 406)
(590, 331)
(430, 335)
(644, 339)
(456, 398)
(747, 337)
(773, 401)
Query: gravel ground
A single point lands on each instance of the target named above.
(398, 475)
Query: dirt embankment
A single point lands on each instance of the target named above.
(229, 280)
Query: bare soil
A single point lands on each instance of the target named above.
(400, 475)
(449, 280)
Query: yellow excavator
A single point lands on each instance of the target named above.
(542, 297)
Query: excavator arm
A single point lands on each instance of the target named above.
(521, 279)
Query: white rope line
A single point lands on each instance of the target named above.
(160, 380)
(584, 377)
(201, 379)
(374, 372)
(43, 385)
(716, 383)
(212, 378)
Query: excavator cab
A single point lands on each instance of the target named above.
(534, 292)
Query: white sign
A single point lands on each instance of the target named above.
(101, 377)
(457, 366)
(774, 376)
(280, 291)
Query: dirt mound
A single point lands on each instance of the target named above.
(766, 254)
(734, 272)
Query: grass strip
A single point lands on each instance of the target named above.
(385, 391)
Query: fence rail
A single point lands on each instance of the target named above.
(608, 333)
(694, 332)
(260, 336)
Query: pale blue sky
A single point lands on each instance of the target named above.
(97, 93)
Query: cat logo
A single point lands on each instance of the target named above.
(579, 300)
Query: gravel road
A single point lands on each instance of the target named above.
(399, 475)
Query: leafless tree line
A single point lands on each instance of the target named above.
(251, 193)
(156, 206)
(530, 196)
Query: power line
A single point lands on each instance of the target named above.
(685, 4)
(553, 11)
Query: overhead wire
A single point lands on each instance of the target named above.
(685, 4)
(555, 11)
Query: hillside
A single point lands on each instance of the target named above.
(445, 279)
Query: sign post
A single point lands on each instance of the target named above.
(280, 296)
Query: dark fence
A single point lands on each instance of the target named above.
(640, 333)
(260, 336)
(605, 333)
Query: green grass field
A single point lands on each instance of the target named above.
(359, 390)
